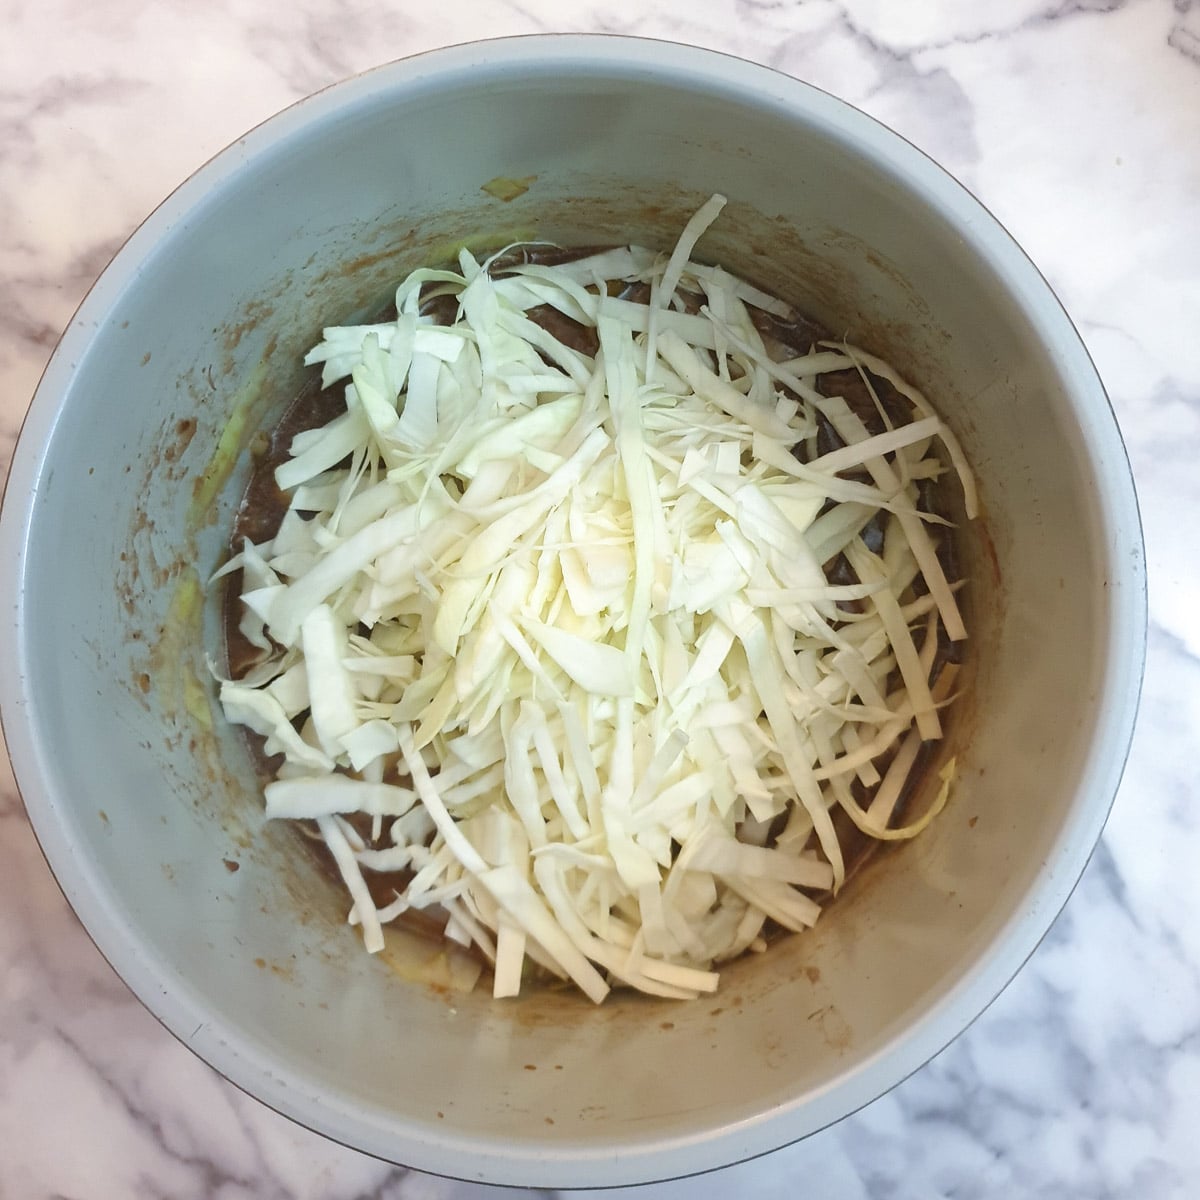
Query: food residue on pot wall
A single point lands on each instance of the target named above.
(229, 447)
(507, 190)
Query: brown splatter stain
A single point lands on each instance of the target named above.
(530, 1067)
(548, 1120)
(231, 865)
(145, 358)
(667, 1025)
(363, 261)
(984, 538)
(104, 818)
(143, 682)
(168, 872)
(813, 974)
(283, 971)
(835, 1029)
(971, 823)
(441, 1116)
(256, 312)
(184, 431)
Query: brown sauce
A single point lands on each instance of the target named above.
(263, 506)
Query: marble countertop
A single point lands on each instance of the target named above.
(1078, 123)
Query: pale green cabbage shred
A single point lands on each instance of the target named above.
(563, 628)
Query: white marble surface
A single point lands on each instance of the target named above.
(1078, 123)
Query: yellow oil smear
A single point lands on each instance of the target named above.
(229, 446)
(175, 677)
(187, 600)
(195, 698)
(506, 189)
(421, 960)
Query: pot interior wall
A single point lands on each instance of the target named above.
(200, 347)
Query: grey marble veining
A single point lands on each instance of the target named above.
(1078, 123)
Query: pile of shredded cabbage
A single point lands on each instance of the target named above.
(561, 628)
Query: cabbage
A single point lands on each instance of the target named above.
(563, 628)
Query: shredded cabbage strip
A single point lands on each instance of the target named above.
(563, 629)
